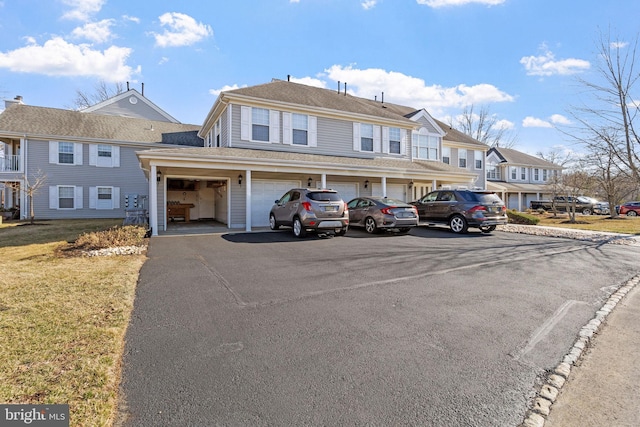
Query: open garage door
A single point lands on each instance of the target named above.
(263, 193)
(394, 191)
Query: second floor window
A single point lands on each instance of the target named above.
(514, 172)
(300, 129)
(544, 174)
(366, 137)
(523, 174)
(479, 155)
(394, 140)
(462, 158)
(65, 153)
(260, 124)
(425, 146)
(492, 171)
(446, 155)
(536, 174)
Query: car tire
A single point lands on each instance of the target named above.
(458, 224)
(586, 211)
(370, 225)
(632, 213)
(487, 229)
(298, 229)
(273, 224)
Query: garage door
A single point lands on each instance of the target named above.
(394, 191)
(263, 193)
(347, 191)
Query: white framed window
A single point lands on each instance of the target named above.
(479, 156)
(65, 153)
(514, 172)
(300, 129)
(536, 174)
(103, 155)
(446, 155)
(366, 137)
(544, 174)
(462, 158)
(425, 145)
(104, 197)
(492, 171)
(259, 124)
(65, 197)
(395, 141)
(523, 174)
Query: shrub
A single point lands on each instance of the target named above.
(128, 235)
(516, 217)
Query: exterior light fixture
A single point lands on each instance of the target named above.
(309, 182)
(240, 179)
(159, 176)
(411, 184)
(366, 183)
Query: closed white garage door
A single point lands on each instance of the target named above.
(347, 191)
(263, 193)
(394, 191)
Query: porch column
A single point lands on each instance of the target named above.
(153, 201)
(383, 183)
(247, 194)
(520, 201)
(323, 180)
(433, 185)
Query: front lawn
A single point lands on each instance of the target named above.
(621, 224)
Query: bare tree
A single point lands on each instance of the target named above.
(608, 122)
(30, 188)
(101, 92)
(484, 127)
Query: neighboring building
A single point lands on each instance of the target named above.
(519, 177)
(88, 159)
(255, 144)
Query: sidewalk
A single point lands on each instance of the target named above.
(603, 387)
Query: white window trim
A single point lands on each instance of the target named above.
(478, 155)
(95, 160)
(246, 125)
(425, 132)
(115, 198)
(54, 151)
(54, 200)
(386, 142)
(377, 138)
(287, 130)
(466, 158)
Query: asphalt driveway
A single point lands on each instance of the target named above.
(430, 328)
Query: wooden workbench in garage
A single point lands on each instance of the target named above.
(181, 210)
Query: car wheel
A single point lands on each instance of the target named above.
(488, 229)
(632, 213)
(298, 229)
(458, 224)
(586, 211)
(273, 224)
(404, 230)
(370, 225)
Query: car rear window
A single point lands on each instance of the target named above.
(479, 197)
(324, 196)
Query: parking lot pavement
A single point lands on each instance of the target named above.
(430, 328)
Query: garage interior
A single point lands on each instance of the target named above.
(196, 202)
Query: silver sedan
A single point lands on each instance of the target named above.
(380, 213)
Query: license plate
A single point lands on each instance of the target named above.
(330, 208)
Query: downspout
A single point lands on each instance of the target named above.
(23, 160)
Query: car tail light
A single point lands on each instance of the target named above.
(346, 208)
(306, 206)
(387, 210)
(477, 208)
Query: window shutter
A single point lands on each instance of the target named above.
(385, 139)
(376, 139)
(115, 194)
(404, 135)
(78, 202)
(93, 197)
(53, 153)
(313, 131)
(356, 137)
(274, 126)
(115, 156)
(77, 154)
(53, 197)
(93, 154)
(287, 130)
(245, 123)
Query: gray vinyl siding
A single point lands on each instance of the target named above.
(238, 203)
(334, 138)
(124, 108)
(224, 132)
(427, 125)
(128, 177)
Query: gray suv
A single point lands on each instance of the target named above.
(461, 209)
(305, 209)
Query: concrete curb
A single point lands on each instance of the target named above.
(539, 411)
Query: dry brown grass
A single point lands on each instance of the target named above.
(621, 224)
(63, 320)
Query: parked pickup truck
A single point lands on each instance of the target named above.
(564, 204)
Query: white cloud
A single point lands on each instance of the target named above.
(547, 65)
(368, 4)
(131, 18)
(504, 124)
(181, 30)
(532, 122)
(559, 119)
(294, 1)
(618, 45)
(412, 91)
(224, 88)
(310, 81)
(82, 10)
(163, 60)
(56, 57)
(98, 32)
(446, 3)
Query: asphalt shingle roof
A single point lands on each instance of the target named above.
(54, 122)
(510, 155)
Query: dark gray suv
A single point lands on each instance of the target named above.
(305, 209)
(461, 209)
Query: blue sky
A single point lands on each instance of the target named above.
(521, 58)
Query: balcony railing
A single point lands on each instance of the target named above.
(10, 163)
